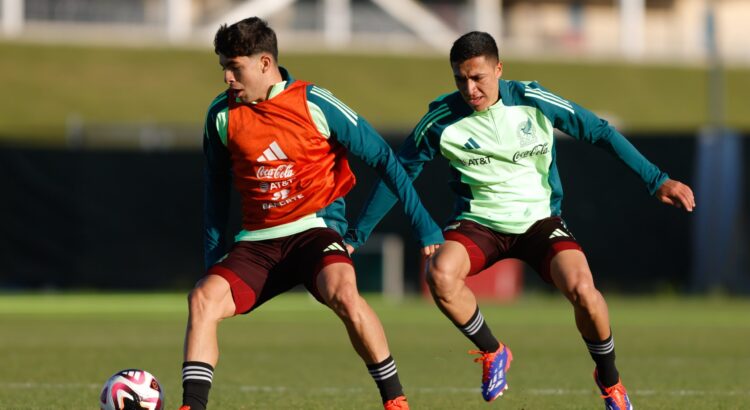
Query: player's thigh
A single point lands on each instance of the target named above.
(569, 271)
(247, 269)
(213, 294)
(541, 244)
(320, 261)
(449, 263)
(336, 281)
(469, 248)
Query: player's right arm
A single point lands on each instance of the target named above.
(217, 181)
(420, 146)
(584, 125)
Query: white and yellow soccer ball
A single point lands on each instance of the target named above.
(132, 389)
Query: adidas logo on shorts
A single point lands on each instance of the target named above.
(334, 247)
(454, 226)
(558, 233)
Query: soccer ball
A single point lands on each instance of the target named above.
(132, 389)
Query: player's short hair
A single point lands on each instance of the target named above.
(474, 44)
(245, 38)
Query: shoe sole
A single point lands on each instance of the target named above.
(499, 394)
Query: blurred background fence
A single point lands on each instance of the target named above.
(103, 103)
(637, 29)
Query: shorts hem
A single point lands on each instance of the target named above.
(477, 258)
(242, 294)
(556, 248)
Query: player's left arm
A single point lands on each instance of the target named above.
(217, 183)
(584, 125)
(346, 127)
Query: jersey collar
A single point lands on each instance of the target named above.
(504, 89)
(278, 88)
(285, 75)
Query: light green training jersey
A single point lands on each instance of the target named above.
(503, 158)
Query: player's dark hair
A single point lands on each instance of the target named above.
(245, 38)
(474, 44)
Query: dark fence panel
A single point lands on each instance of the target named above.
(113, 219)
(131, 219)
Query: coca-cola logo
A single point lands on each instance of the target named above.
(280, 172)
(540, 149)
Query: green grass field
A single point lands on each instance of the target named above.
(53, 85)
(56, 350)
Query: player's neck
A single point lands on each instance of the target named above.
(274, 77)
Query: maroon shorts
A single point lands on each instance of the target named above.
(257, 271)
(537, 246)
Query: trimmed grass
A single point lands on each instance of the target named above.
(46, 87)
(674, 353)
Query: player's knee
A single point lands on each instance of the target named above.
(204, 304)
(584, 295)
(442, 278)
(197, 302)
(345, 301)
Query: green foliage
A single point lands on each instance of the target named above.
(46, 87)
(673, 353)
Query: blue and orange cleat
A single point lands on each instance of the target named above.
(615, 397)
(495, 366)
(185, 408)
(399, 403)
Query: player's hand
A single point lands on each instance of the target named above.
(429, 250)
(349, 248)
(677, 194)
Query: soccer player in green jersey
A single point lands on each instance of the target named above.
(497, 136)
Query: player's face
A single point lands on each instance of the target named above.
(476, 80)
(246, 76)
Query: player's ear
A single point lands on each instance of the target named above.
(266, 62)
(499, 69)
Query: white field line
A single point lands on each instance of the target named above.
(56, 386)
(425, 390)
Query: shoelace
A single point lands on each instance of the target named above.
(486, 360)
(615, 392)
(397, 403)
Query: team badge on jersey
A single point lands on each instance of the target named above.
(526, 133)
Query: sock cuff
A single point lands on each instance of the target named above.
(197, 372)
(604, 347)
(474, 324)
(382, 370)
(199, 364)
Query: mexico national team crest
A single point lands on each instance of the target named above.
(526, 133)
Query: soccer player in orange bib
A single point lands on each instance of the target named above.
(283, 143)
